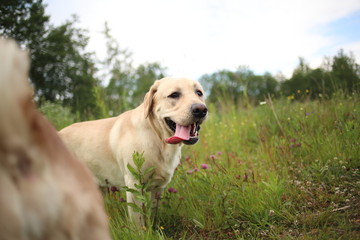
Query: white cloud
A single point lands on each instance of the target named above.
(196, 37)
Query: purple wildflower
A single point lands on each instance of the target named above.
(219, 153)
(245, 177)
(204, 166)
(189, 172)
(172, 190)
(212, 157)
(114, 189)
(196, 169)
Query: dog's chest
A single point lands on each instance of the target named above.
(172, 157)
(166, 167)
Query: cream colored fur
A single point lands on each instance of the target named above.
(107, 145)
(45, 193)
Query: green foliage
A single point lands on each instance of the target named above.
(144, 76)
(24, 21)
(339, 73)
(243, 87)
(122, 227)
(239, 88)
(61, 70)
(117, 68)
(58, 115)
(140, 192)
(346, 72)
(304, 78)
(283, 170)
(67, 72)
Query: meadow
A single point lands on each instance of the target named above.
(286, 169)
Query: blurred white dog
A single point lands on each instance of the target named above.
(45, 193)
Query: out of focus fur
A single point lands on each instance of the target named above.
(45, 193)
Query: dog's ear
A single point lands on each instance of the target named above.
(149, 98)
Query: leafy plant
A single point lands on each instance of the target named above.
(140, 191)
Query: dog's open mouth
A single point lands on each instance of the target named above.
(186, 134)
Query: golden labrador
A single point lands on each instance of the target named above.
(45, 193)
(169, 117)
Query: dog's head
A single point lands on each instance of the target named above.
(178, 106)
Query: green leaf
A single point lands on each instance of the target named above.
(133, 172)
(149, 170)
(141, 198)
(135, 207)
(133, 191)
(146, 185)
(138, 159)
(197, 223)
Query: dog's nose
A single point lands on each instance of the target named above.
(199, 110)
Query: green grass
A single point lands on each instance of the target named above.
(287, 170)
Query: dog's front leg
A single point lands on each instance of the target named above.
(136, 217)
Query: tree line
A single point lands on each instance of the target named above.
(243, 86)
(64, 72)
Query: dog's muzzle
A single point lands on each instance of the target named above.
(187, 134)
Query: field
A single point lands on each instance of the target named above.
(286, 169)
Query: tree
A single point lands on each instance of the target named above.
(127, 85)
(144, 76)
(118, 70)
(65, 72)
(61, 70)
(239, 87)
(298, 80)
(345, 72)
(340, 73)
(260, 86)
(219, 86)
(24, 21)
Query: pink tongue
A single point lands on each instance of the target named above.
(182, 133)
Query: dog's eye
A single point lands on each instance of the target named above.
(174, 95)
(199, 93)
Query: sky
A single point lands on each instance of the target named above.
(196, 37)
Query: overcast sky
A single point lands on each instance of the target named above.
(194, 37)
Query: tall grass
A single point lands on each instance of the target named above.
(283, 170)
